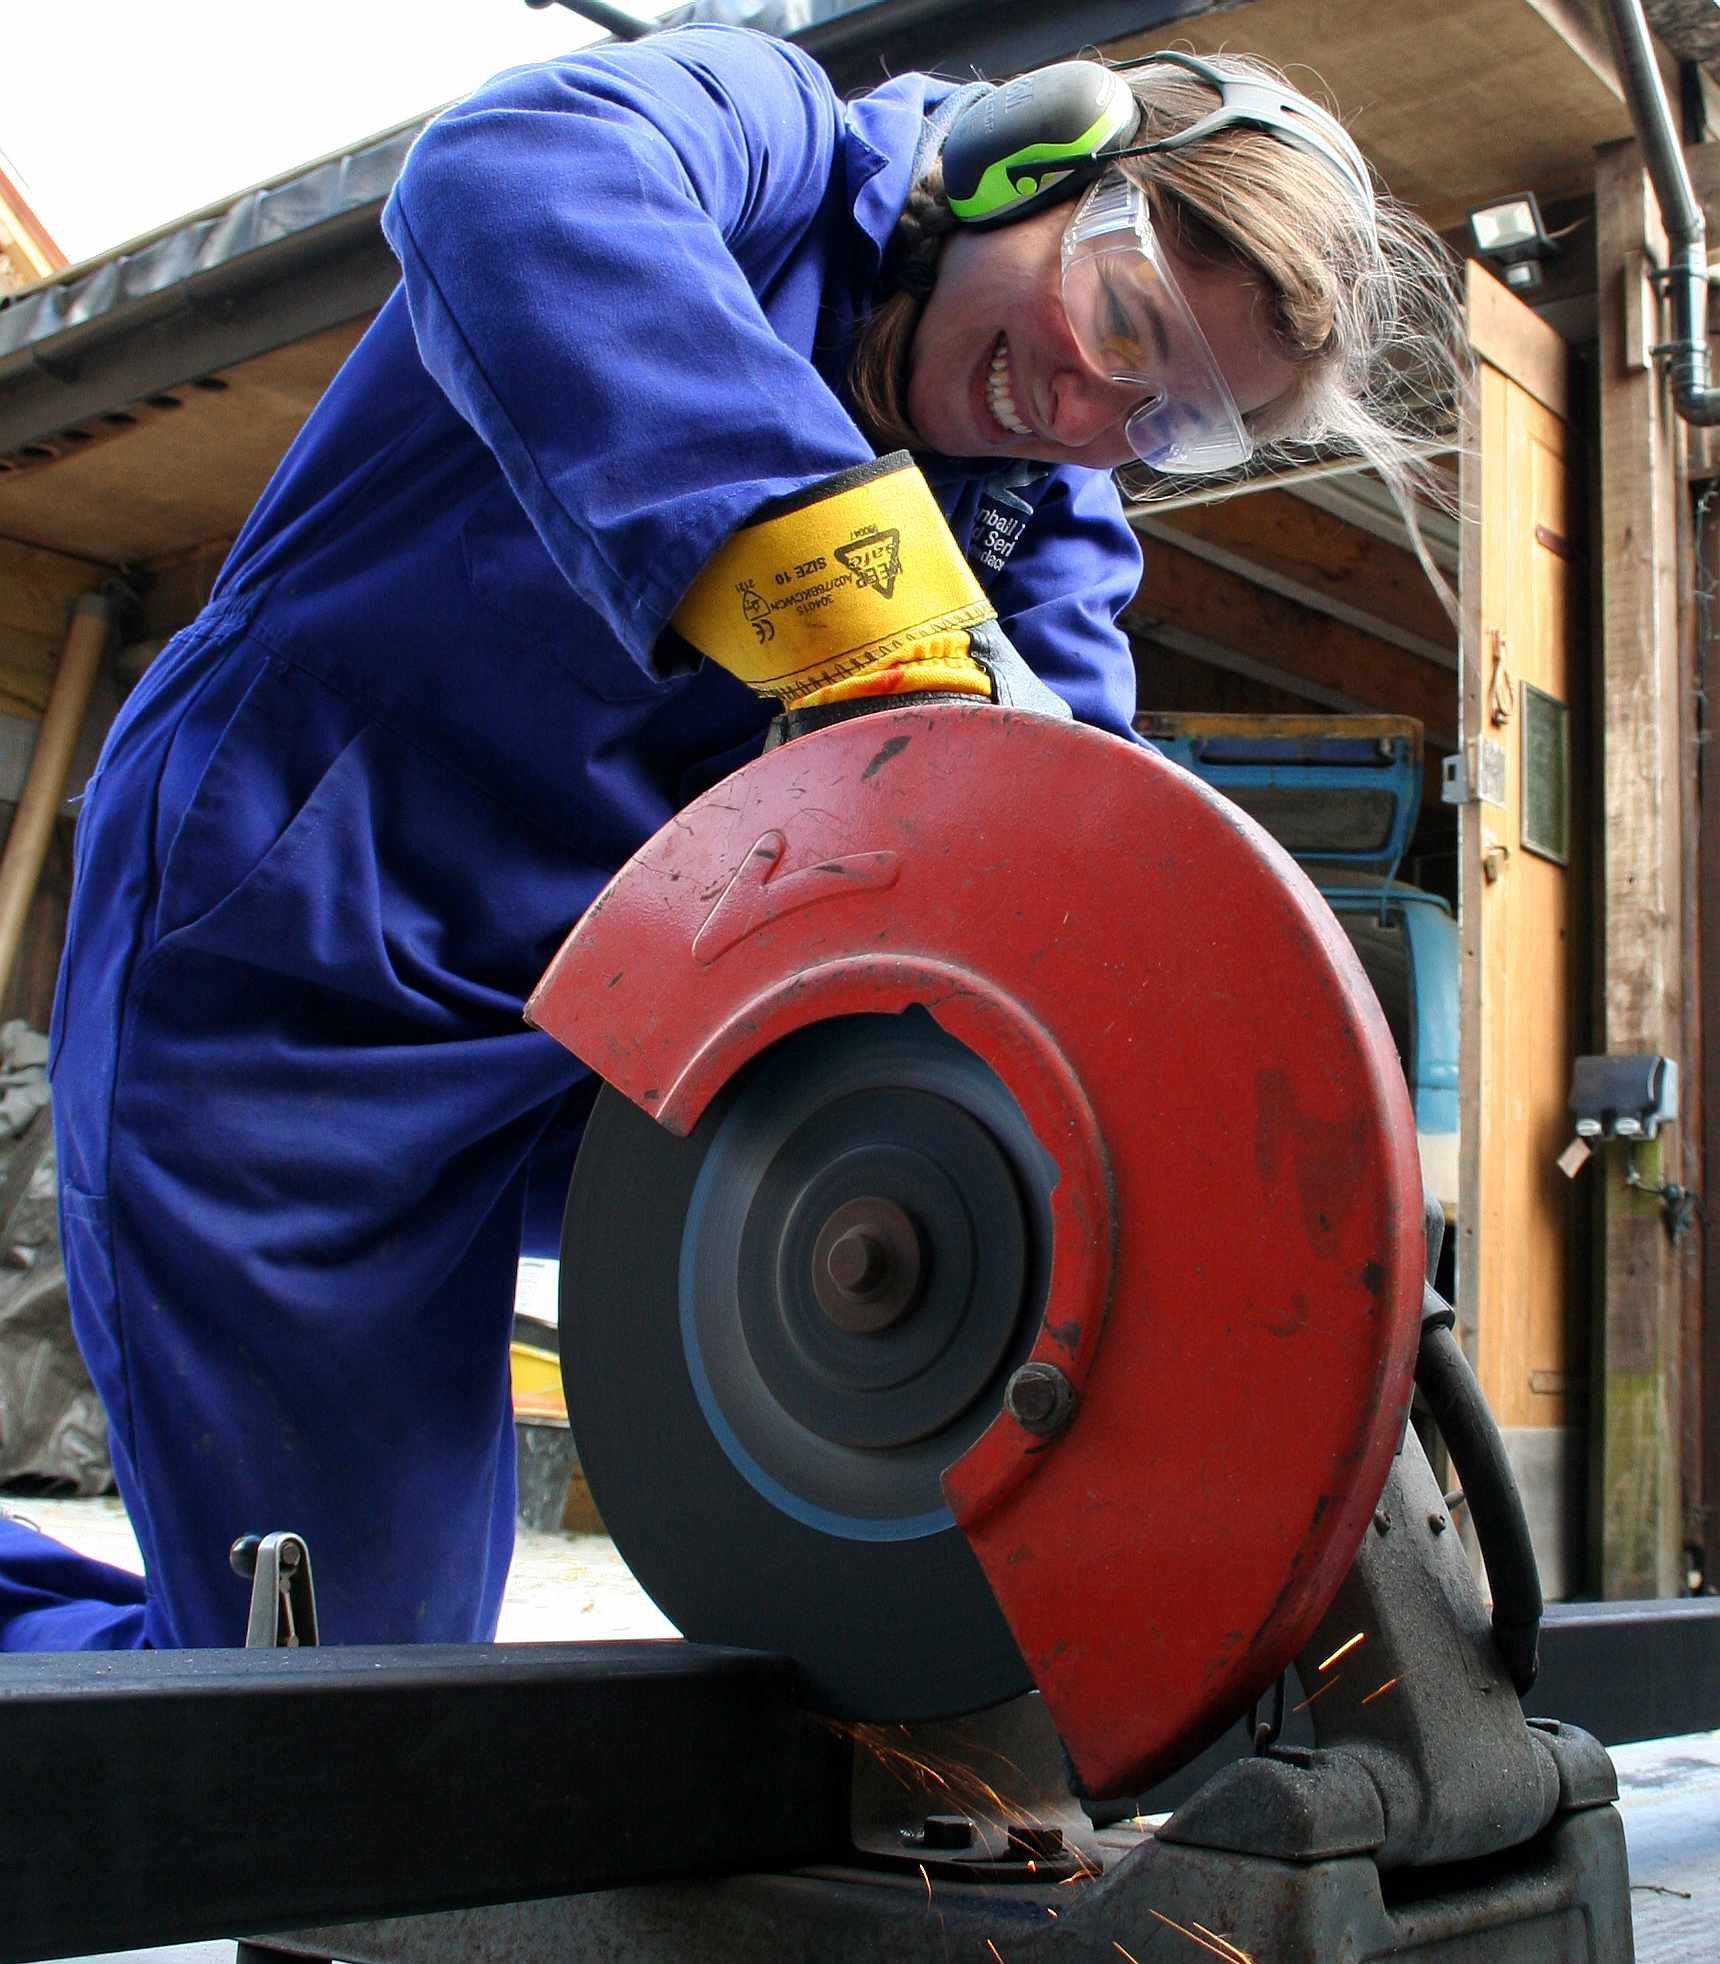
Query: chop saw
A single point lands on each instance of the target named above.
(997, 1264)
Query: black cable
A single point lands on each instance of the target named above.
(1443, 1377)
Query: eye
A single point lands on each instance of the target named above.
(1119, 330)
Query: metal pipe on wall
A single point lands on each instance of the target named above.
(93, 617)
(1686, 232)
(615, 21)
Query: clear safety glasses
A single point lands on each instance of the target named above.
(1134, 327)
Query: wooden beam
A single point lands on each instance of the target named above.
(1706, 1363)
(174, 472)
(1223, 617)
(27, 251)
(37, 587)
(1310, 556)
(1517, 342)
(1690, 28)
(1645, 735)
(1588, 41)
(1693, 1098)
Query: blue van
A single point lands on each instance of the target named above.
(1342, 795)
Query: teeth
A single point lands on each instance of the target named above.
(997, 395)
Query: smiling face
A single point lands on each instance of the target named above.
(994, 369)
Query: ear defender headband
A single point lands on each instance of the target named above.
(1044, 137)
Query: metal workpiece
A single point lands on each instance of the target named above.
(1632, 1670)
(1444, 1378)
(160, 1796)
(1021, 1874)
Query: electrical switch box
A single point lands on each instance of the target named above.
(1627, 1096)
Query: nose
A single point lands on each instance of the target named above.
(1085, 405)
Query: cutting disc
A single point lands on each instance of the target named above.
(777, 1333)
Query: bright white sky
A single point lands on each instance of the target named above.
(118, 116)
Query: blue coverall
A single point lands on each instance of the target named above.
(350, 813)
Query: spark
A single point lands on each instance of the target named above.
(1344, 1649)
(1306, 1702)
(966, 1790)
(998, 1954)
(927, 1880)
(1129, 1954)
(1183, 1930)
(1381, 1691)
(1230, 1950)
(1049, 1911)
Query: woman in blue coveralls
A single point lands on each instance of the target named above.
(662, 306)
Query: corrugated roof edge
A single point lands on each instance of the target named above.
(338, 186)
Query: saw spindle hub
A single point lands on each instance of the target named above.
(867, 1264)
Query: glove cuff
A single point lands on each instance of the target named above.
(852, 587)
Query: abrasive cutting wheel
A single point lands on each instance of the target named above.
(826, 1286)
(950, 1041)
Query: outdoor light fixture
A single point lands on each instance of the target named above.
(1511, 236)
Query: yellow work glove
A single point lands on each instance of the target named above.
(854, 590)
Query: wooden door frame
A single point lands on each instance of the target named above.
(1522, 355)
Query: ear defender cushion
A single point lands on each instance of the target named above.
(1034, 141)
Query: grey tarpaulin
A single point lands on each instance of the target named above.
(53, 1433)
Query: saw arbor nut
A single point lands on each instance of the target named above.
(867, 1264)
(1194, 1078)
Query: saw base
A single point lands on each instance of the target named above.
(1565, 1895)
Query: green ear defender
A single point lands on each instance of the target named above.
(1035, 141)
(1045, 136)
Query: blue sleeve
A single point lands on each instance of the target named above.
(1077, 567)
(582, 245)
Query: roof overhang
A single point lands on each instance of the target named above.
(213, 337)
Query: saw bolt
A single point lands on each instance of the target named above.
(1040, 1399)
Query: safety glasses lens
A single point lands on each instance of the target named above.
(1135, 329)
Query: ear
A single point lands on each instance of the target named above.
(1035, 141)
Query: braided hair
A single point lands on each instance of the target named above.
(878, 368)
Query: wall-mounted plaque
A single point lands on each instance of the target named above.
(1545, 826)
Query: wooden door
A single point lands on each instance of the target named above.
(1521, 677)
